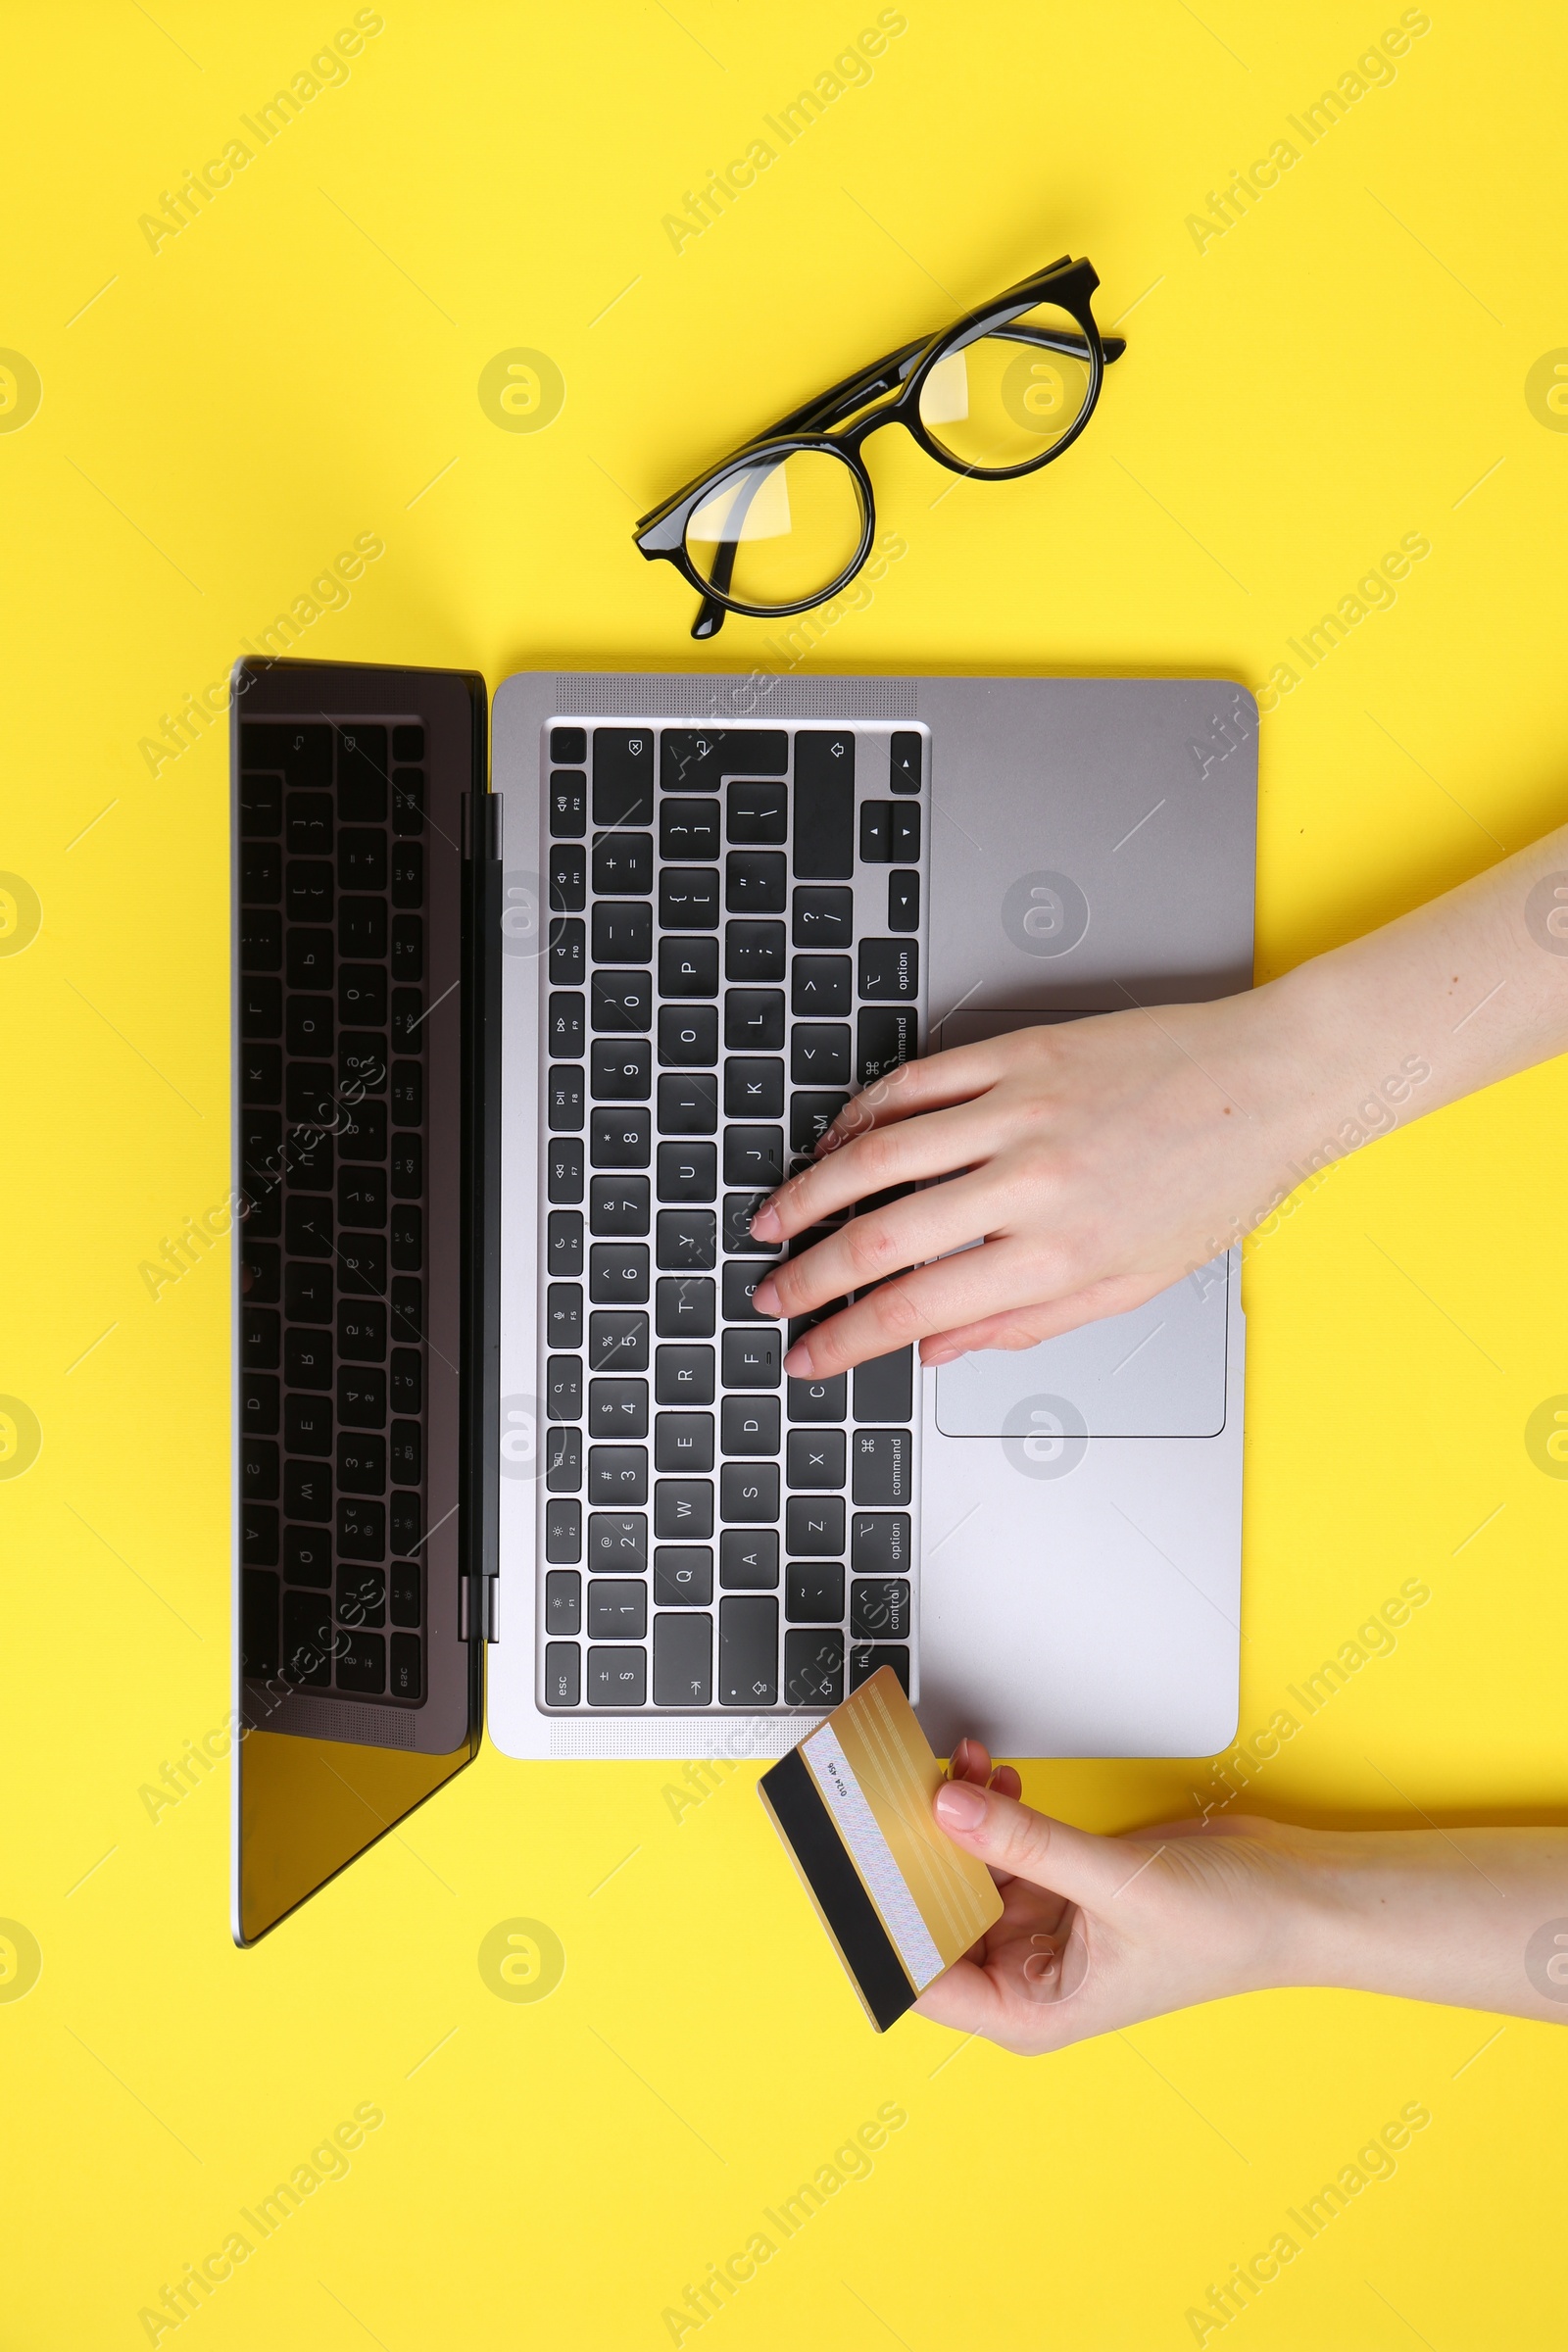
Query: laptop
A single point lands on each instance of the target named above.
(533, 1003)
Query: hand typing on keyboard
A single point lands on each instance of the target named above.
(1097, 1161)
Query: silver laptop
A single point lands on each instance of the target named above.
(692, 916)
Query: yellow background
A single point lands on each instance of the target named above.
(219, 421)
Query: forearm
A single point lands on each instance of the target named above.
(1474, 1918)
(1451, 997)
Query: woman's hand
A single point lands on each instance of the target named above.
(1095, 1161)
(1100, 1931)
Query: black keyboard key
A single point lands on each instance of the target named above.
(813, 1669)
(754, 1090)
(748, 1426)
(864, 1662)
(903, 902)
(688, 967)
(684, 1307)
(361, 1596)
(618, 1609)
(362, 1664)
(362, 1331)
(310, 1094)
(876, 833)
(623, 863)
(308, 1294)
(623, 1002)
(683, 1442)
(687, 1241)
(567, 1097)
(619, 1540)
(683, 1661)
(569, 744)
(617, 1409)
(261, 806)
(260, 1272)
(568, 950)
(361, 996)
(562, 1461)
(689, 830)
(748, 1652)
(307, 824)
(361, 1264)
(888, 967)
(362, 1195)
(810, 1117)
(564, 1243)
(617, 1341)
(683, 1509)
(752, 1357)
(258, 1535)
(683, 1575)
(748, 1493)
(311, 957)
(821, 985)
(688, 1171)
(618, 1476)
(617, 1678)
(824, 805)
(361, 858)
(362, 928)
(887, 1036)
(813, 1527)
(819, 1054)
(407, 873)
(405, 1168)
(621, 1069)
(904, 761)
(404, 1453)
(812, 1401)
(261, 1007)
(308, 1226)
(879, 1541)
(754, 1155)
(564, 1169)
(362, 1131)
(740, 1281)
(624, 932)
(260, 1598)
(260, 1404)
(817, 1459)
(884, 1388)
(403, 1678)
(884, 1467)
(568, 1023)
(623, 776)
(758, 815)
(748, 1559)
(407, 1524)
(563, 1674)
(261, 869)
(361, 1528)
(262, 1073)
(688, 899)
(308, 1491)
(260, 1463)
(403, 1588)
(408, 800)
(564, 1315)
(564, 1389)
(568, 803)
(260, 941)
(362, 773)
(905, 833)
(753, 951)
(756, 882)
(754, 1020)
(569, 881)
(735, 1223)
(621, 1138)
(362, 1060)
(688, 1104)
(307, 1641)
(308, 1556)
(697, 758)
(822, 918)
(879, 1609)
(361, 1399)
(307, 1357)
(813, 1593)
(308, 1161)
(617, 1205)
(618, 1275)
(407, 1384)
(683, 1376)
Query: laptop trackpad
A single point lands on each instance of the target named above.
(1159, 1372)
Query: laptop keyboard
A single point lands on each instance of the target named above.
(735, 947)
(333, 966)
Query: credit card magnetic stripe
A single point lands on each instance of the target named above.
(871, 1854)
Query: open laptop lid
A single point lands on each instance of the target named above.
(358, 797)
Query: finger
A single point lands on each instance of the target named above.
(1027, 1326)
(934, 1145)
(1013, 1837)
(974, 1999)
(1005, 1782)
(868, 1248)
(927, 1298)
(955, 1076)
(971, 1762)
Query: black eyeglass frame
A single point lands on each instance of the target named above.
(842, 419)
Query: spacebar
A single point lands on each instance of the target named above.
(748, 1652)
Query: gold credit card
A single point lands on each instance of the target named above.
(853, 1805)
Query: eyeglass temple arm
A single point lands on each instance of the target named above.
(711, 613)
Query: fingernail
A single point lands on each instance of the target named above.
(960, 1805)
(766, 1221)
(798, 1363)
(765, 1299)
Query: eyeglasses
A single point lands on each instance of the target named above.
(788, 518)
